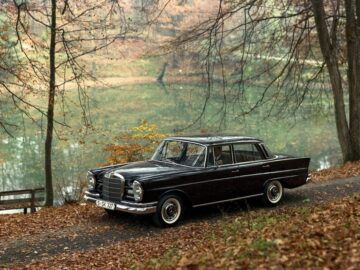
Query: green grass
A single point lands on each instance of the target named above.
(264, 246)
(169, 258)
(125, 68)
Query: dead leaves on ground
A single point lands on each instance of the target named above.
(349, 169)
(47, 219)
(326, 236)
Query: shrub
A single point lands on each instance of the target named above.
(134, 145)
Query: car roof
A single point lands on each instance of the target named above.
(213, 138)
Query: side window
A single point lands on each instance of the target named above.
(222, 155)
(210, 157)
(246, 152)
(195, 155)
(173, 149)
(267, 151)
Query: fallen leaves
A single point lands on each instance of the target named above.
(47, 219)
(325, 236)
(349, 169)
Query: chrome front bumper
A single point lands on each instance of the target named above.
(125, 206)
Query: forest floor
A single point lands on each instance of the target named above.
(316, 225)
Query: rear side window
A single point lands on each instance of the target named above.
(267, 151)
(244, 152)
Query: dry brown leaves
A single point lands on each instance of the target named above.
(349, 169)
(53, 218)
(325, 236)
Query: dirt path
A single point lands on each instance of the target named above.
(109, 230)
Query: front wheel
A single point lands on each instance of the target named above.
(169, 211)
(273, 193)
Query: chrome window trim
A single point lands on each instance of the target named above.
(224, 165)
(263, 149)
(255, 143)
(233, 142)
(177, 140)
(257, 146)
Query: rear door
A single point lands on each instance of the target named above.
(252, 168)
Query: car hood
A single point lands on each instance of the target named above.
(134, 170)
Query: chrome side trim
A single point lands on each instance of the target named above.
(228, 200)
(285, 177)
(129, 207)
(233, 177)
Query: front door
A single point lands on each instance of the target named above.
(215, 182)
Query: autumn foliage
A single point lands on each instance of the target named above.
(349, 169)
(319, 236)
(134, 145)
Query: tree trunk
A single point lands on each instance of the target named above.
(353, 56)
(162, 73)
(50, 113)
(329, 53)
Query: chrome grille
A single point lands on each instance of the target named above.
(113, 189)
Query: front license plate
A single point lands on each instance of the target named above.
(107, 205)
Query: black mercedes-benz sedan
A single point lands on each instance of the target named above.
(194, 171)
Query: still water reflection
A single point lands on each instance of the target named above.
(77, 149)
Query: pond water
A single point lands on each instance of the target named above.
(76, 149)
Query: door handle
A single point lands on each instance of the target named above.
(235, 171)
(265, 166)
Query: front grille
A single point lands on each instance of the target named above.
(113, 189)
(98, 186)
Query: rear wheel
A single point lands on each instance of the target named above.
(273, 193)
(169, 211)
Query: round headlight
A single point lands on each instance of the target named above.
(91, 181)
(138, 191)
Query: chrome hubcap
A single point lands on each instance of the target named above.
(274, 192)
(170, 211)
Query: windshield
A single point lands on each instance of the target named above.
(183, 153)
